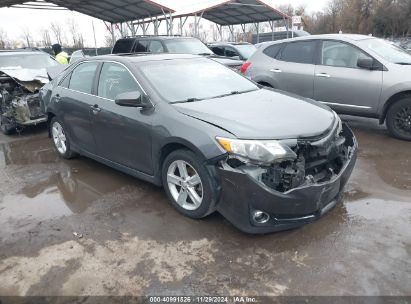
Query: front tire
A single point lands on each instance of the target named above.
(60, 140)
(188, 184)
(399, 119)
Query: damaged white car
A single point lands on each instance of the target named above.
(22, 74)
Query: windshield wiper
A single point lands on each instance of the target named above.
(233, 93)
(192, 99)
(403, 63)
(205, 54)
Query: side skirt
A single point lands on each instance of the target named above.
(141, 175)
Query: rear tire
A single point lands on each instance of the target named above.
(188, 184)
(399, 119)
(60, 140)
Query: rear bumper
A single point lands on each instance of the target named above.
(241, 195)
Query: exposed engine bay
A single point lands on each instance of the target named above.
(317, 161)
(19, 101)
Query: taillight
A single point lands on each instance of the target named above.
(245, 66)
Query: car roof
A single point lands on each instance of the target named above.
(343, 37)
(122, 58)
(155, 37)
(21, 52)
(229, 43)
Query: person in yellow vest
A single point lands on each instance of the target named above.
(61, 56)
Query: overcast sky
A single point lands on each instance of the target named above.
(13, 20)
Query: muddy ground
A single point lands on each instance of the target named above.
(135, 243)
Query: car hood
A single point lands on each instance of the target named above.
(263, 114)
(31, 79)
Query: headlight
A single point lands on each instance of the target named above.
(265, 151)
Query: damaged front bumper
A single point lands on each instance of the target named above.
(19, 102)
(244, 196)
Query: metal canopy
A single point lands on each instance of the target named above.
(113, 11)
(234, 12)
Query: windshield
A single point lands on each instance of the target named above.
(388, 51)
(26, 61)
(187, 46)
(246, 50)
(185, 80)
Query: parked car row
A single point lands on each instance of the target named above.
(258, 149)
(353, 74)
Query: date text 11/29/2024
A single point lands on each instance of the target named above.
(202, 299)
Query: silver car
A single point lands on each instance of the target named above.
(353, 74)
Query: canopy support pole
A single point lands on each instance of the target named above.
(244, 38)
(169, 22)
(156, 26)
(286, 25)
(220, 31)
(112, 34)
(197, 20)
(257, 28)
(231, 28)
(272, 29)
(131, 27)
(182, 23)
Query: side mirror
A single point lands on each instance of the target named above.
(132, 99)
(366, 63)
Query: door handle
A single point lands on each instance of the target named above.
(324, 75)
(95, 109)
(276, 71)
(57, 98)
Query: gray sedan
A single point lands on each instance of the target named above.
(267, 161)
(353, 74)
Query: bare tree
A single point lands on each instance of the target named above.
(58, 32)
(76, 35)
(108, 39)
(27, 35)
(45, 37)
(3, 39)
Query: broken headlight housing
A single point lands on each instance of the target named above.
(261, 151)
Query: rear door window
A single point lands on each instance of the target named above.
(273, 50)
(123, 46)
(299, 52)
(82, 77)
(141, 46)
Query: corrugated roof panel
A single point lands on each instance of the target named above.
(112, 11)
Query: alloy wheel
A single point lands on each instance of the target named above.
(59, 138)
(402, 120)
(185, 185)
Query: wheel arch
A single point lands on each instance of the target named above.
(392, 100)
(172, 145)
(50, 116)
